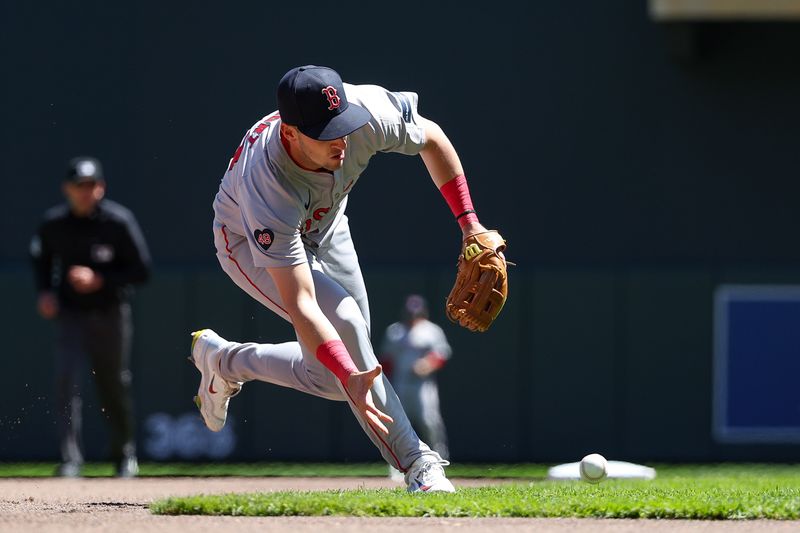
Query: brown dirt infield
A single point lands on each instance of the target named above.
(105, 504)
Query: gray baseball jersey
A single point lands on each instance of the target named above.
(281, 207)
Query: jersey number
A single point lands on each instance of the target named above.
(252, 138)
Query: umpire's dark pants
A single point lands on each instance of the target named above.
(101, 338)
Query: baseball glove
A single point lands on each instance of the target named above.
(481, 284)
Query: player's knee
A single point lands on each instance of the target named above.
(349, 321)
(324, 385)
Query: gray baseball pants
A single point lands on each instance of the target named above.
(342, 297)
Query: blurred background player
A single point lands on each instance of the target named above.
(413, 351)
(87, 254)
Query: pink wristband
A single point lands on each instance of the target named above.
(334, 356)
(456, 194)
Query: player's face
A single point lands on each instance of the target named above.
(322, 154)
(83, 197)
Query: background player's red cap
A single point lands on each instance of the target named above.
(313, 99)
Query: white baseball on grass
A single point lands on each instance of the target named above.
(594, 468)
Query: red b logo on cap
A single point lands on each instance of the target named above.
(332, 96)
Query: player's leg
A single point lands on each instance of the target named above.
(70, 356)
(108, 345)
(402, 446)
(342, 296)
(292, 365)
(411, 406)
(339, 261)
(281, 364)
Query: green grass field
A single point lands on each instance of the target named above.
(680, 492)
(714, 492)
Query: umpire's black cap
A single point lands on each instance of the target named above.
(313, 99)
(84, 169)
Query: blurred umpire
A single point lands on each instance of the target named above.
(87, 254)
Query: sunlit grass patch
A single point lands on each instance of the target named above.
(709, 492)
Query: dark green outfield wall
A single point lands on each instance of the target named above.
(581, 360)
(629, 184)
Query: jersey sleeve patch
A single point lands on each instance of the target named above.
(264, 238)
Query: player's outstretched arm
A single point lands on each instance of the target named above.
(296, 287)
(444, 166)
(439, 155)
(481, 287)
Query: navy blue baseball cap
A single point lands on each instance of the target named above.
(313, 99)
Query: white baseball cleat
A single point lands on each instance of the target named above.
(427, 475)
(214, 392)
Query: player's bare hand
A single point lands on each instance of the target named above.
(47, 305)
(359, 385)
(83, 279)
(423, 367)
